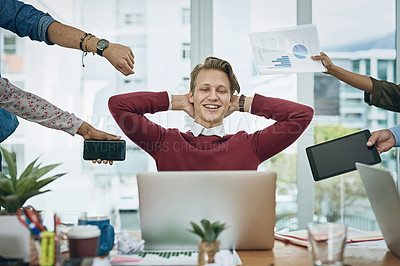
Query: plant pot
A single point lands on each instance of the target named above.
(207, 252)
(15, 238)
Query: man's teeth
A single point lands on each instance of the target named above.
(211, 106)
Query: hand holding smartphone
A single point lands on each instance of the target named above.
(111, 150)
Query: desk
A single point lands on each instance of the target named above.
(288, 254)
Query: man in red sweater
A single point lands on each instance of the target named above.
(210, 100)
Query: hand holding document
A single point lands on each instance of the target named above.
(286, 50)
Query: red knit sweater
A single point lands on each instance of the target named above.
(174, 150)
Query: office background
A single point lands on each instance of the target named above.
(168, 38)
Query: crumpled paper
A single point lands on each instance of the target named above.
(127, 244)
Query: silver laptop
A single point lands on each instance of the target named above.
(244, 200)
(385, 201)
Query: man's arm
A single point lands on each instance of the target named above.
(358, 81)
(128, 111)
(120, 56)
(291, 120)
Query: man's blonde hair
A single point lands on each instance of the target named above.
(215, 63)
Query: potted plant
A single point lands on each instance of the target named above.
(209, 244)
(14, 192)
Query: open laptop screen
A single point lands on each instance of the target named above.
(244, 200)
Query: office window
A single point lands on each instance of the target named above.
(135, 19)
(185, 50)
(343, 198)
(185, 15)
(10, 44)
(231, 42)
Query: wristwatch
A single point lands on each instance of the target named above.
(101, 46)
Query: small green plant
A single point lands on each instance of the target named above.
(14, 191)
(210, 231)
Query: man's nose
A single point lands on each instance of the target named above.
(213, 95)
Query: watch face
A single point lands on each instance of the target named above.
(102, 44)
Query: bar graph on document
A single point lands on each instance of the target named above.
(283, 61)
(287, 50)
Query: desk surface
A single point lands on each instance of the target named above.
(288, 254)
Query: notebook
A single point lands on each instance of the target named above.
(385, 201)
(244, 200)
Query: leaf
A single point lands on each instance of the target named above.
(6, 187)
(12, 203)
(31, 194)
(11, 163)
(197, 230)
(46, 181)
(24, 185)
(209, 236)
(28, 170)
(44, 170)
(206, 224)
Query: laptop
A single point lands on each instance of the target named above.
(244, 200)
(385, 201)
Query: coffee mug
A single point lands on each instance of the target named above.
(106, 241)
(83, 241)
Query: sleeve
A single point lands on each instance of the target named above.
(128, 111)
(384, 94)
(24, 20)
(291, 121)
(396, 133)
(36, 109)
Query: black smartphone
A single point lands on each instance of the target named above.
(111, 150)
(338, 156)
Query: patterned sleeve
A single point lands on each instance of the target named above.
(36, 109)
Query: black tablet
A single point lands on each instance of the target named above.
(338, 156)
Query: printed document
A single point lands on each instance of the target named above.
(286, 50)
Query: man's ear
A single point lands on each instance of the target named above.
(191, 97)
(231, 100)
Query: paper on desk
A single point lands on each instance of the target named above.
(222, 258)
(354, 235)
(286, 50)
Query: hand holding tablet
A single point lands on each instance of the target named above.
(338, 156)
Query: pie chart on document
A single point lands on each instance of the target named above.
(300, 51)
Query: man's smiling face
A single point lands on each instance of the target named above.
(211, 97)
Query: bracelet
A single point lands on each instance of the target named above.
(84, 53)
(90, 37)
(82, 38)
(241, 103)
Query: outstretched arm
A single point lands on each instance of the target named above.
(120, 56)
(34, 108)
(358, 81)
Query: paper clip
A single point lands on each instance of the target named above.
(47, 248)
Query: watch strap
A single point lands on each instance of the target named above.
(241, 102)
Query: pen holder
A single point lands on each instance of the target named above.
(207, 252)
(34, 249)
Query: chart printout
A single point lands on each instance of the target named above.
(286, 50)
